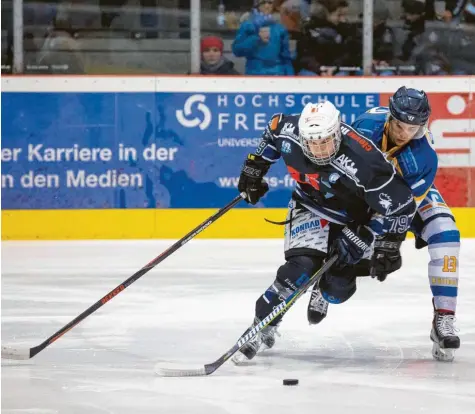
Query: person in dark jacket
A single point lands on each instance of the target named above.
(430, 60)
(452, 10)
(469, 12)
(263, 42)
(384, 40)
(414, 23)
(212, 60)
(323, 41)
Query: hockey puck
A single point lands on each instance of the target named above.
(291, 382)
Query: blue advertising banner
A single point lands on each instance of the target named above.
(142, 150)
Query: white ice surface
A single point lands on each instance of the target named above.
(370, 356)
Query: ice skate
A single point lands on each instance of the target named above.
(317, 307)
(443, 335)
(268, 335)
(249, 350)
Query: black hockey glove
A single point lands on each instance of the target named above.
(351, 245)
(251, 180)
(386, 256)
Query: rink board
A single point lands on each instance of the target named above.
(113, 157)
(166, 223)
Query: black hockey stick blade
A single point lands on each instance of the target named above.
(27, 353)
(282, 307)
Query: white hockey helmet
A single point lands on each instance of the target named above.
(319, 132)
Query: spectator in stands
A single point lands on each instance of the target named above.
(425, 49)
(293, 13)
(453, 9)
(212, 60)
(430, 60)
(324, 40)
(38, 14)
(263, 42)
(60, 51)
(112, 9)
(7, 38)
(414, 19)
(384, 39)
(383, 43)
(469, 12)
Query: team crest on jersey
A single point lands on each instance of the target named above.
(286, 147)
(347, 165)
(385, 201)
(288, 128)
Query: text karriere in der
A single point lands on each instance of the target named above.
(79, 178)
(75, 153)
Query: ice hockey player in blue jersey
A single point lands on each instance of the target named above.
(400, 131)
(339, 205)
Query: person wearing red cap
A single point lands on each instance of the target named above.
(212, 60)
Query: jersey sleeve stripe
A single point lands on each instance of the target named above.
(421, 197)
(272, 160)
(418, 184)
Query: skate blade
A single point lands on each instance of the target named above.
(442, 354)
(239, 358)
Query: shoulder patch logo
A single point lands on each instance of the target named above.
(385, 201)
(288, 129)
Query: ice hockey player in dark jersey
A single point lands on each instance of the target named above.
(346, 194)
(400, 131)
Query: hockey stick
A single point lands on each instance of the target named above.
(282, 307)
(27, 353)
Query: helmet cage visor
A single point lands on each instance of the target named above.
(319, 149)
